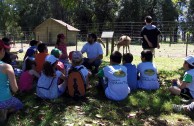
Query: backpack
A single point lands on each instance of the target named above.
(76, 83)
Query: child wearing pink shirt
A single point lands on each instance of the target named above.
(27, 77)
(61, 45)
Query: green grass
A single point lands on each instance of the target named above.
(150, 107)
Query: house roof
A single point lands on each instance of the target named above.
(69, 27)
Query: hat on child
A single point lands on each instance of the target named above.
(51, 59)
(189, 60)
(56, 52)
(30, 52)
(3, 45)
(77, 56)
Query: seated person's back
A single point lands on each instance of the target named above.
(115, 78)
(131, 71)
(148, 78)
(40, 57)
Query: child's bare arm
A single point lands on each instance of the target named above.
(183, 85)
(63, 76)
(36, 74)
(13, 84)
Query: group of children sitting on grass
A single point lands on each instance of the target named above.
(49, 74)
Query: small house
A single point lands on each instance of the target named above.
(48, 30)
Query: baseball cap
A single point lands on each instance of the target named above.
(52, 59)
(61, 35)
(3, 45)
(77, 56)
(56, 52)
(189, 60)
(30, 52)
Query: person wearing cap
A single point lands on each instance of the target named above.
(47, 86)
(8, 55)
(33, 47)
(61, 45)
(185, 88)
(57, 53)
(8, 84)
(30, 54)
(94, 53)
(77, 60)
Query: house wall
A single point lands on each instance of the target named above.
(48, 31)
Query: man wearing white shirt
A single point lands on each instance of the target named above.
(94, 53)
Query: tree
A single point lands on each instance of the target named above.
(9, 16)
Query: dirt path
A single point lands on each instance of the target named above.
(175, 50)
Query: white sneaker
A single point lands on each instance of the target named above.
(177, 108)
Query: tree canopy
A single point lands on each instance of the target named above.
(25, 15)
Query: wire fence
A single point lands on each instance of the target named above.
(171, 31)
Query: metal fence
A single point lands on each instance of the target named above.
(171, 31)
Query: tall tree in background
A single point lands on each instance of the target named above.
(32, 13)
(190, 16)
(105, 12)
(8, 16)
(83, 15)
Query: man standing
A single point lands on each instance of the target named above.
(94, 53)
(150, 35)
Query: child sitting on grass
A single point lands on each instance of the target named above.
(131, 71)
(185, 88)
(147, 71)
(47, 86)
(33, 46)
(76, 62)
(57, 53)
(30, 54)
(40, 57)
(113, 78)
(27, 77)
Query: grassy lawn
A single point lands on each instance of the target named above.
(140, 108)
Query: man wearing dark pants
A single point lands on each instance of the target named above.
(150, 35)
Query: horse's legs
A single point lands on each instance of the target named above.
(128, 48)
(118, 47)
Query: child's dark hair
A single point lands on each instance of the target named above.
(127, 58)
(59, 36)
(93, 36)
(33, 43)
(29, 63)
(190, 66)
(76, 63)
(147, 54)
(42, 47)
(116, 57)
(148, 19)
(48, 69)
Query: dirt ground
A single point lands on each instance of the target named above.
(175, 50)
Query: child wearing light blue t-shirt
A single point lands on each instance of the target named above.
(147, 71)
(113, 78)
